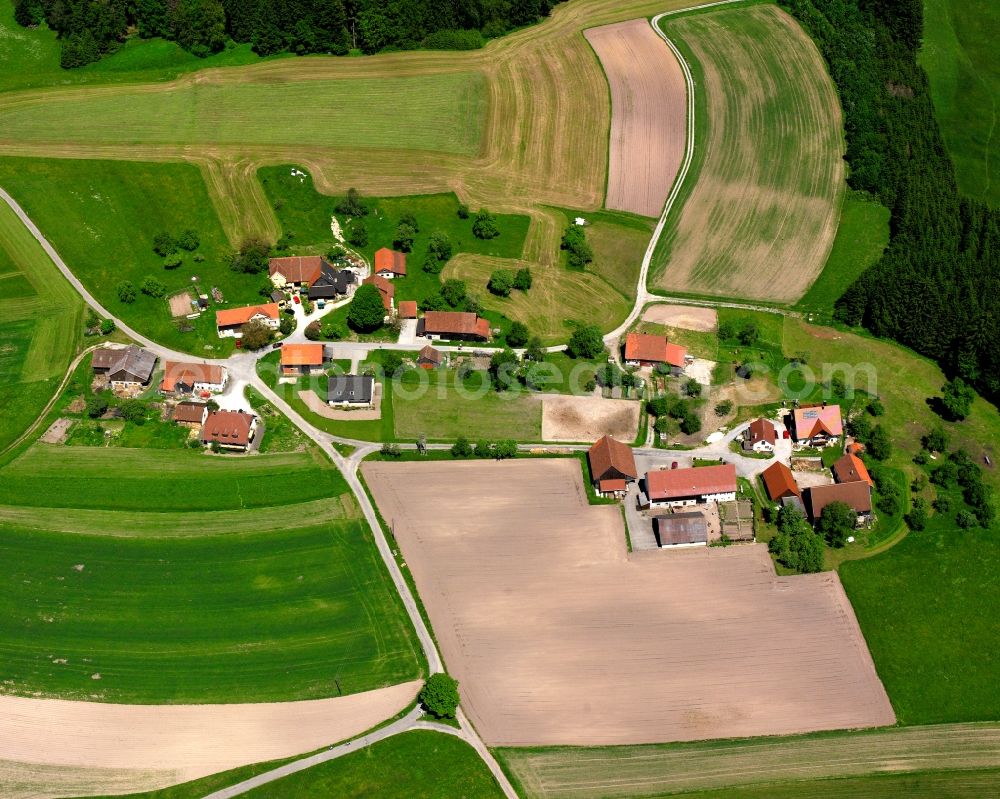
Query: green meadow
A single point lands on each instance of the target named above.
(959, 52)
(102, 216)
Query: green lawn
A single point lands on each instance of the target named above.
(414, 765)
(959, 53)
(861, 238)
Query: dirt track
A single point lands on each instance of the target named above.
(559, 638)
(647, 115)
(568, 418)
(165, 744)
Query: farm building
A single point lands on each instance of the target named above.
(455, 325)
(779, 482)
(429, 358)
(279, 297)
(858, 495)
(385, 288)
(229, 429)
(182, 377)
(301, 359)
(408, 309)
(190, 414)
(850, 469)
(612, 466)
(230, 321)
(332, 283)
(389, 263)
(643, 349)
(685, 529)
(817, 425)
(678, 487)
(350, 390)
(296, 270)
(128, 368)
(760, 436)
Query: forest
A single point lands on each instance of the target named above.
(936, 289)
(91, 29)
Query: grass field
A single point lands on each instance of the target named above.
(862, 235)
(761, 215)
(754, 767)
(959, 54)
(101, 216)
(41, 320)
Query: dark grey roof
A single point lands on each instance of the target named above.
(278, 296)
(350, 388)
(331, 283)
(681, 528)
(132, 365)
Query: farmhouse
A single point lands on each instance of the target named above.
(612, 466)
(643, 349)
(858, 495)
(301, 359)
(181, 377)
(295, 270)
(678, 487)
(816, 425)
(780, 482)
(229, 429)
(385, 288)
(127, 368)
(389, 263)
(429, 358)
(760, 436)
(455, 325)
(332, 283)
(230, 321)
(685, 529)
(408, 309)
(850, 469)
(350, 390)
(190, 414)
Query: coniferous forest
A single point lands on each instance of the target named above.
(937, 287)
(90, 29)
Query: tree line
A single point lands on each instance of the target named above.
(90, 29)
(936, 287)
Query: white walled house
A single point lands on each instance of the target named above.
(680, 487)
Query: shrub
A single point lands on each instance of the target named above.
(878, 445)
(965, 519)
(366, 311)
(692, 387)
(352, 204)
(390, 450)
(251, 258)
(501, 282)
(690, 422)
(126, 291)
(405, 234)
(334, 331)
(439, 696)
(956, 400)
(916, 518)
(463, 211)
(748, 334)
(164, 244)
(108, 326)
(314, 331)
(484, 449)
(935, 439)
(392, 364)
(504, 367)
(522, 280)
(586, 342)
(836, 523)
(439, 246)
(484, 226)
(461, 448)
(454, 40)
(796, 545)
(133, 411)
(152, 287)
(517, 336)
(724, 408)
(574, 241)
(287, 325)
(172, 261)
(432, 265)
(357, 234)
(97, 405)
(726, 331)
(942, 504)
(189, 240)
(255, 335)
(875, 407)
(507, 448)
(453, 292)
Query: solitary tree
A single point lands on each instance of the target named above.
(501, 282)
(439, 696)
(957, 399)
(517, 336)
(879, 445)
(916, 518)
(134, 411)
(189, 240)
(164, 244)
(836, 523)
(936, 439)
(440, 246)
(522, 280)
(152, 287)
(504, 366)
(357, 234)
(255, 335)
(126, 291)
(366, 311)
(453, 291)
(586, 342)
(748, 334)
(485, 225)
(352, 204)
(692, 387)
(251, 258)
(405, 234)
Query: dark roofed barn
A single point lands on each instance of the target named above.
(681, 529)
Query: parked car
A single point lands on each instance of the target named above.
(296, 299)
(277, 345)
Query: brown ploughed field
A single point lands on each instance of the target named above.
(648, 115)
(558, 636)
(569, 418)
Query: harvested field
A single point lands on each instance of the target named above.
(316, 405)
(558, 637)
(648, 115)
(167, 744)
(569, 418)
(765, 186)
(688, 317)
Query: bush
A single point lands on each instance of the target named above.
(875, 407)
(484, 449)
(836, 523)
(453, 292)
(251, 258)
(586, 342)
(313, 331)
(942, 504)
(916, 518)
(152, 287)
(504, 368)
(461, 448)
(390, 450)
(796, 545)
(965, 519)
(724, 408)
(439, 246)
(439, 696)
(485, 225)
(97, 405)
(255, 335)
(935, 439)
(692, 387)
(392, 364)
(172, 262)
(352, 205)
(726, 331)
(366, 311)
(357, 234)
(164, 244)
(126, 291)
(189, 240)
(454, 40)
(507, 448)
(574, 241)
(432, 265)
(878, 445)
(501, 282)
(517, 336)
(748, 334)
(463, 211)
(522, 280)
(108, 326)
(690, 422)
(957, 399)
(334, 331)
(286, 325)
(133, 411)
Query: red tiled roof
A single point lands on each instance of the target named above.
(188, 374)
(667, 484)
(297, 268)
(812, 420)
(240, 316)
(408, 309)
(607, 486)
(302, 355)
(645, 347)
(456, 323)
(779, 481)
(761, 430)
(385, 288)
(676, 354)
(227, 427)
(387, 260)
(611, 456)
(189, 412)
(428, 353)
(850, 469)
(857, 494)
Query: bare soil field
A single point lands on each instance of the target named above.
(689, 317)
(557, 636)
(166, 744)
(180, 304)
(768, 176)
(317, 406)
(648, 115)
(568, 418)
